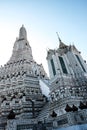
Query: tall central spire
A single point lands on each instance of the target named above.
(21, 49)
(22, 33)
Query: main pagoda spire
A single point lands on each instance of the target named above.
(21, 49)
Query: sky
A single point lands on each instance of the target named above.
(42, 19)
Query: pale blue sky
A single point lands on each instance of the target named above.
(42, 19)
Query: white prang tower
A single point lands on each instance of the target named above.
(20, 92)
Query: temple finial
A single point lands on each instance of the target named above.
(58, 37)
(61, 44)
(22, 33)
(22, 25)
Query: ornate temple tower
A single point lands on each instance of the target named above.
(20, 92)
(68, 77)
(68, 89)
(65, 60)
